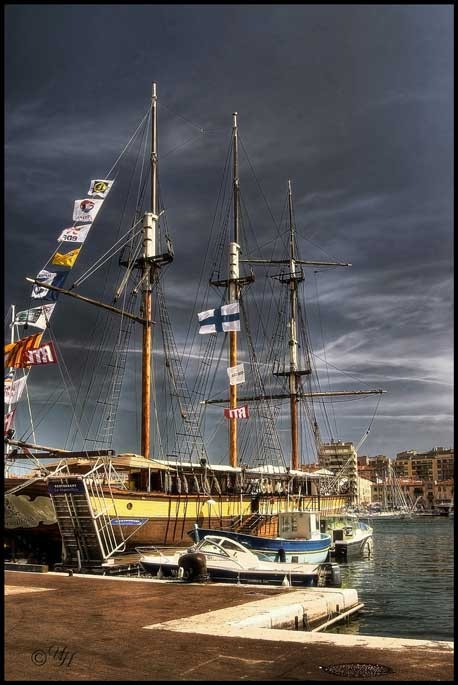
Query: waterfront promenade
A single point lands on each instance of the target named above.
(60, 627)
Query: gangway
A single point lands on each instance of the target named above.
(82, 503)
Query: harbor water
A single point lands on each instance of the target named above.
(407, 585)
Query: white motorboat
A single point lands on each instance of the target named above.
(350, 536)
(218, 558)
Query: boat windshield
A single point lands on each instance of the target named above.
(211, 547)
(221, 545)
(231, 546)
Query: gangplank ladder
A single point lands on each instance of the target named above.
(82, 508)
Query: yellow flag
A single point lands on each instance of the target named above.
(16, 353)
(67, 259)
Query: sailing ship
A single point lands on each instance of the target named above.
(104, 502)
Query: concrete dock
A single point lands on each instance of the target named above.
(60, 627)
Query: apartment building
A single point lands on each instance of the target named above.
(435, 465)
(340, 458)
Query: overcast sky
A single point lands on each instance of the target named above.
(353, 103)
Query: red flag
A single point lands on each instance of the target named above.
(238, 413)
(45, 354)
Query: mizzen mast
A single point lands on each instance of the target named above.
(293, 342)
(234, 249)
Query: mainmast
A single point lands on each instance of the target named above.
(293, 343)
(234, 249)
(234, 284)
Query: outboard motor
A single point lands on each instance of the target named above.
(194, 567)
(332, 576)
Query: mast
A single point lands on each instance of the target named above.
(149, 251)
(295, 275)
(293, 339)
(234, 283)
(234, 248)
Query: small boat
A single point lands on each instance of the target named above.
(301, 540)
(351, 537)
(220, 559)
(388, 514)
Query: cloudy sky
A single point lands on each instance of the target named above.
(353, 103)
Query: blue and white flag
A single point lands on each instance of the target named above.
(220, 320)
(40, 292)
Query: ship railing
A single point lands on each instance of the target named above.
(60, 467)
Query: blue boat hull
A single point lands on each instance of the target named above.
(295, 550)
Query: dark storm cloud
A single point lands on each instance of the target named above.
(353, 103)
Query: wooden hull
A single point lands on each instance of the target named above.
(157, 518)
(160, 519)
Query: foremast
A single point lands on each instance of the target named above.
(147, 266)
(149, 262)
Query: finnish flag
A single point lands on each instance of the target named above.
(220, 320)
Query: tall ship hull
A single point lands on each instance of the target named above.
(148, 517)
(166, 520)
